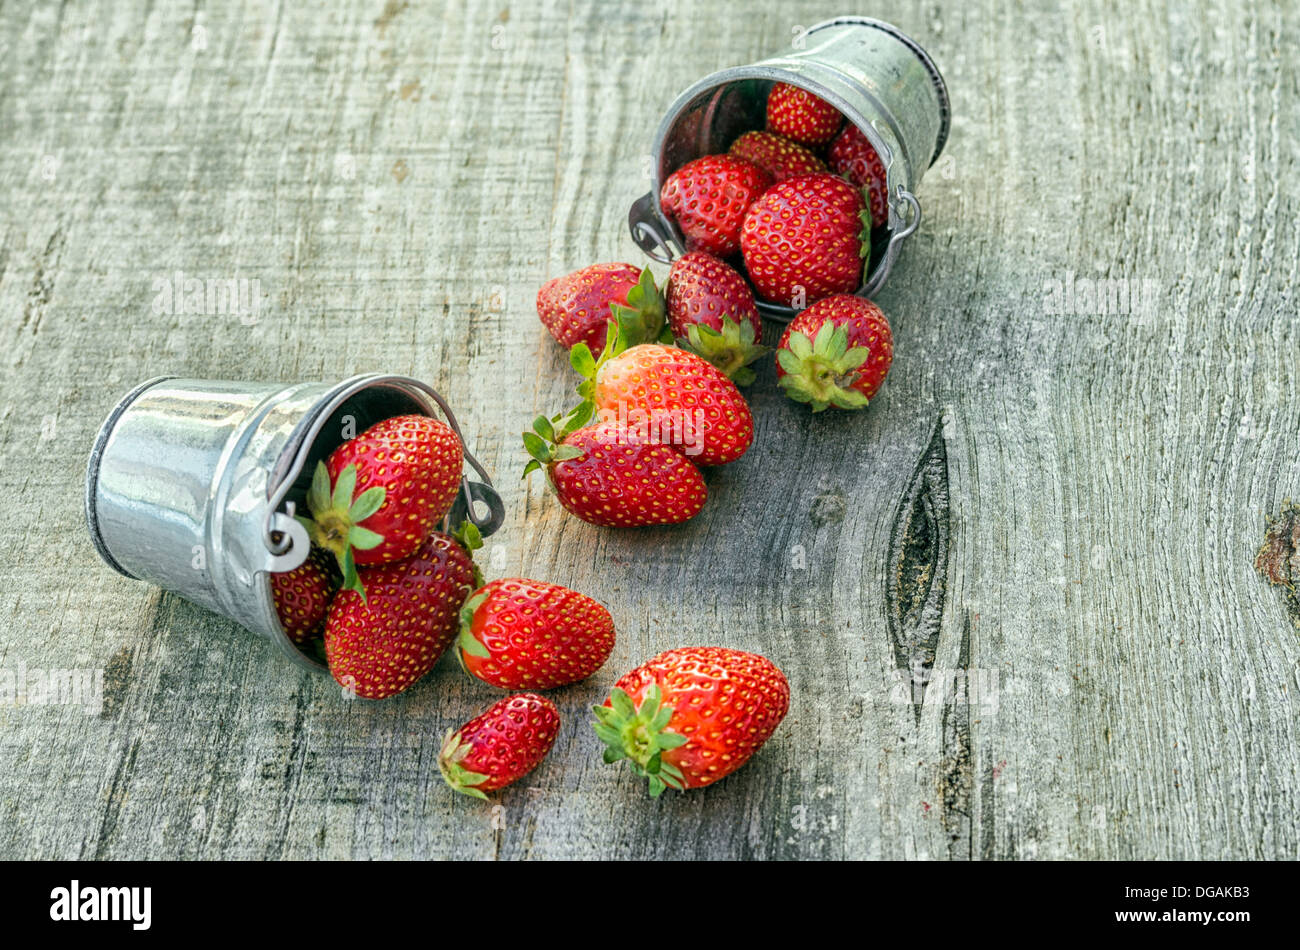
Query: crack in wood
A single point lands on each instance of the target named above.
(1278, 560)
(918, 562)
(956, 767)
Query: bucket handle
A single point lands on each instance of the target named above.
(896, 239)
(290, 531)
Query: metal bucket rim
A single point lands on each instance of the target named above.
(92, 470)
(936, 77)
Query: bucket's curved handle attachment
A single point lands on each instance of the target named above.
(896, 238)
(660, 243)
(293, 541)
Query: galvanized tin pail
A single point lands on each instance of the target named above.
(878, 77)
(192, 484)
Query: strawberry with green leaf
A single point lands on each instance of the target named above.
(711, 313)
(578, 307)
(499, 746)
(835, 353)
(610, 475)
(693, 715)
(380, 495)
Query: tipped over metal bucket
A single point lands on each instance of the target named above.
(192, 484)
(878, 77)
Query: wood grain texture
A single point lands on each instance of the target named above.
(1062, 508)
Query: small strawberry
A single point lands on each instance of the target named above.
(379, 644)
(577, 307)
(609, 475)
(800, 116)
(302, 597)
(708, 199)
(776, 155)
(501, 745)
(805, 239)
(711, 312)
(381, 495)
(835, 353)
(852, 156)
(522, 634)
(693, 715)
(668, 395)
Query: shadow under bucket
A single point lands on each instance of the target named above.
(192, 484)
(880, 79)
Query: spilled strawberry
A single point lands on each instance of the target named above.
(381, 494)
(800, 116)
(379, 644)
(670, 396)
(805, 239)
(522, 634)
(852, 156)
(302, 597)
(693, 715)
(499, 746)
(578, 307)
(711, 312)
(776, 155)
(610, 475)
(835, 353)
(708, 199)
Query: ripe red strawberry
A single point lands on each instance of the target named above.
(852, 156)
(799, 115)
(776, 155)
(671, 396)
(382, 494)
(302, 597)
(711, 312)
(522, 634)
(577, 307)
(805, 239)
(609, 475)
(835, 353)
(499, 746)
(692, 715)
(708, 199)
(379, 643)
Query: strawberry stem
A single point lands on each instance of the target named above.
(336, 516)
(822, 372)
(640, 736)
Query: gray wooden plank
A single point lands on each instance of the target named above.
(1066, 506)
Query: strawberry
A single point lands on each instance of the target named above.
(800, 116)
(578, 307)
(708, 199)
(499, 746)
(612, 475)
(852, 156)
(380, 495)
(522, 634)
(835, 353)
(380, 642)
(670, 396)
(805, 239)
(711, 312)
(302, 597)
(776, 155)
(692, 715)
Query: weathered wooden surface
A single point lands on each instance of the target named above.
(1067, 505)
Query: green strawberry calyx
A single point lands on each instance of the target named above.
(730, 349)
(822, 371)
(461, 779)
(642, 319)
(336, 516)
(641, 736)
(467, 642)
(470, 538)
(544, 444)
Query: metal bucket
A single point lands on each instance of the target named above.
(878, 77)
(192, 484)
